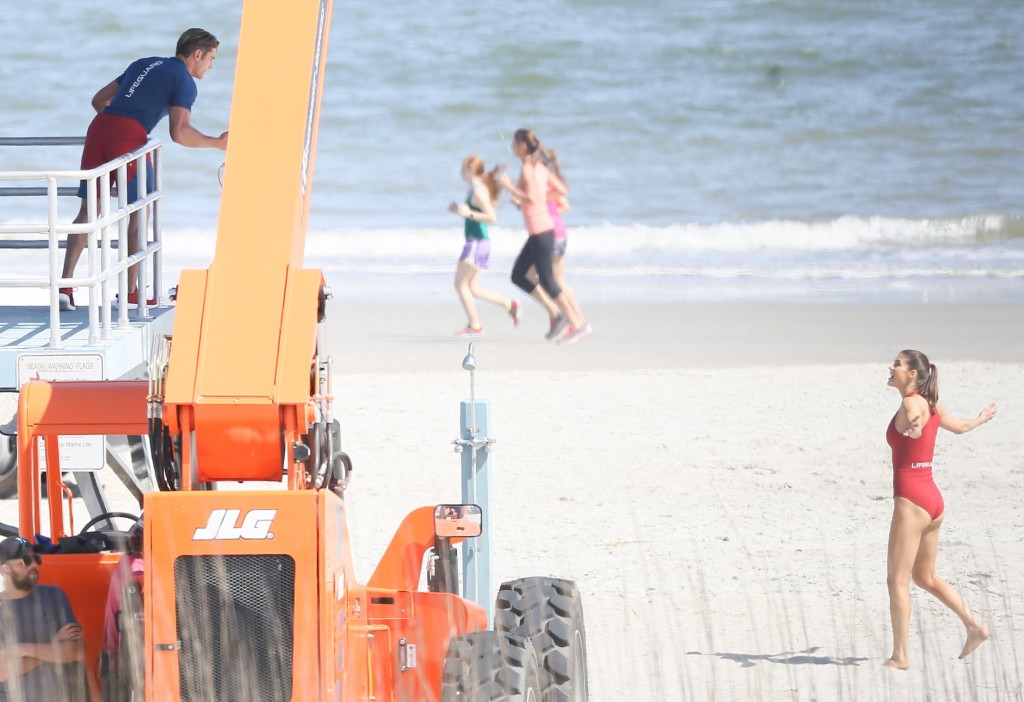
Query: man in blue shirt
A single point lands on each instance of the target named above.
(128, 108)
(41, 645)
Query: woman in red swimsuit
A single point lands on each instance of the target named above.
(918, 507)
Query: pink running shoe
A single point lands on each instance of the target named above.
(572, 335)
(514, 312)
(470, 331)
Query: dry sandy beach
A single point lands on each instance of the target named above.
(716, 480)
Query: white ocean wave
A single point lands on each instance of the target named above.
(985, 252)
(609, 241)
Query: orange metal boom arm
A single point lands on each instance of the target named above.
(238, 382)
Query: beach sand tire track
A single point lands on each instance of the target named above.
(549, 612)
(490, 666)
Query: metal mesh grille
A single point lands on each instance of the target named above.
(235, 617)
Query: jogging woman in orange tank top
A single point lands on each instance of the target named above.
(918, 508)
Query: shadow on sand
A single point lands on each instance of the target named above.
(806, 657)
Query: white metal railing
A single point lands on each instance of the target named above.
(103, 218)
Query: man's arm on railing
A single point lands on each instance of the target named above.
(182, 131)
(105, 95)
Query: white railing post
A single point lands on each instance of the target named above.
(106, 231)
(54, 261)
(90, 242)
(122, 245)
(158, 257)
(142, 217)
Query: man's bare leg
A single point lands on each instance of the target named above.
(76, 244)
(133, 247)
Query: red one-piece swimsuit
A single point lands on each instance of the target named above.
(912, 466)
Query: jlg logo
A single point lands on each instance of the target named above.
(223, 525)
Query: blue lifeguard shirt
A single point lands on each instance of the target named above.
(150, 87)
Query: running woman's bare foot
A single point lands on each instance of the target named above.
(897, 664)
(976, 635)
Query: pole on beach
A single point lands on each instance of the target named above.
(474, 433)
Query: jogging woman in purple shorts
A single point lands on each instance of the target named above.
(478, 212)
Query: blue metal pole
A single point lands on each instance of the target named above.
(476, 489)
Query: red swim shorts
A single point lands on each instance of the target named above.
(109, 137)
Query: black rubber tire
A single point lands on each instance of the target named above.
(549, 612)
(8, 467)
(489, 666)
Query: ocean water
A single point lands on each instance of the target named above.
(722, 150)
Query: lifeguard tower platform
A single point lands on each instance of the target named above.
(100, 340)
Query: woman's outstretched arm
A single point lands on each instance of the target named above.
(959, 426)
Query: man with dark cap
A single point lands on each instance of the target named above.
(41, 644)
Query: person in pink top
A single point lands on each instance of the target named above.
(558, 205)
(128, 567)
(530, 193)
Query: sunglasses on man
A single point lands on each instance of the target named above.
(27, 560)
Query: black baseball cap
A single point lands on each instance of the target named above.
(15, 547)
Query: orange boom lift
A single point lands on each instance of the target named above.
(250, 594)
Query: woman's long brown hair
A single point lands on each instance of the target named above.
(927, 376)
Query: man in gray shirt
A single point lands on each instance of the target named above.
(41, 644)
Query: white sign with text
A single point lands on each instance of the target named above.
(76, 452)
